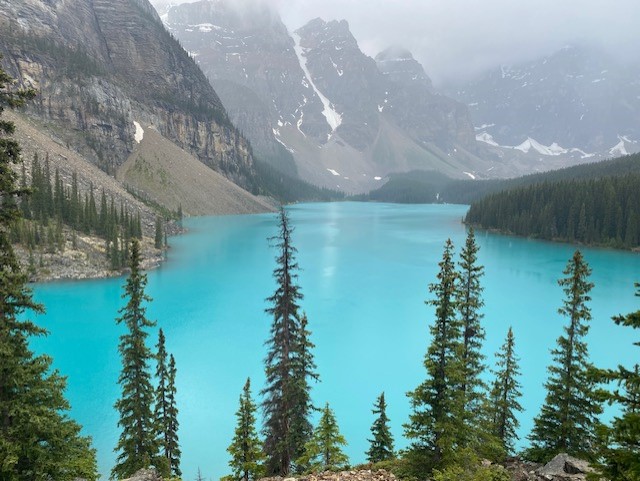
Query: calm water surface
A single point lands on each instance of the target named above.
(365, 272)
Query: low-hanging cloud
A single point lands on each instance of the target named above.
(457, 39)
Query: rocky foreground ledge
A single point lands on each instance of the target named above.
(561, 468)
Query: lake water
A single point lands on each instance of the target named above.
(365, 272)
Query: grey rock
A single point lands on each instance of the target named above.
(100, 65)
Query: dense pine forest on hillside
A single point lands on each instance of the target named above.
(603, 211)
(429, 187)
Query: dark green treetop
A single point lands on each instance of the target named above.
(436, 424)
(288, 365)
(469, 303)
(246, 452)
(381, 445)
(323, 451)
(505, 394)
(621, 447)
(137, 446)
(569, 417)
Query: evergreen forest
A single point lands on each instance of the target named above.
(601, 212)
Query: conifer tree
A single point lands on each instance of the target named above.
(469, 302)
(161, 413)
(381, 448)
(621, 447)
(172, 445)
(246, 448)
(137, 447)
(505, 394)
(288, 365)
(37, 438)
(569, 417)
(323, 451)
(304, 370)
(436, 423)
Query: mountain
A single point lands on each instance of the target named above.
(578, 103)
(313, 103)
(102, 68)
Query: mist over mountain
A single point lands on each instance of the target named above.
(314, 98)
(578, 100)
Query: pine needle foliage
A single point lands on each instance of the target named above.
(381, 444)
(289, 365)
(165, 414)
(37, 438)
(621, 443)
(137, 446)
(469, 303)
(323, 451)
(568, 420)
(505, 395)
(246, 452)
(436, 423)
(172, 447)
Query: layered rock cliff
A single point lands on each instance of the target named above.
(100, 66)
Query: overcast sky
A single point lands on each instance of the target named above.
(459, 38)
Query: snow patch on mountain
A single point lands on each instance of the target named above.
(619, 149)
(139, 134)
(334, 119)
(487, 138)
(333, 172)
(530, 144)
(551, 150)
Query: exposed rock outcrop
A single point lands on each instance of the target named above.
(102, 65)
(561, 468)
(145, 475)
(353, 475)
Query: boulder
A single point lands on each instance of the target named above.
(563, 467)
(145, 475)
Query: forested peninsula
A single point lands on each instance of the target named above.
(602, 209)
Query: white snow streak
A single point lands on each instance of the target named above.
(487, 139)
(619, 148)
(334, 172)
(139, 135)
(551, 150)
(334, 119)
(470, 175)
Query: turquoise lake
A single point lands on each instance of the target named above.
(364, 273)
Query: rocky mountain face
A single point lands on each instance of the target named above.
(313, 97)
(103, 66)
(577, 102)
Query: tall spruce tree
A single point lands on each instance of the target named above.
(246, 448)
(381, 445)
(137, 446)
(436, 424)
(569, 417)
(323, 451)
(165, 415)
(173, 451)
(37, 438)
(505, 394)
(304, 370)
(289, 363)
(469, 302)
(620, 452)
